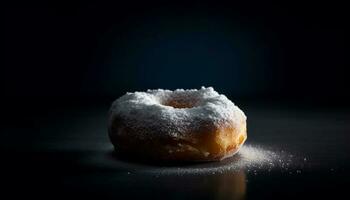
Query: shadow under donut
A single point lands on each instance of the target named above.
(137, 159)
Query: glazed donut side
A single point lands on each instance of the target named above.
(202, 140)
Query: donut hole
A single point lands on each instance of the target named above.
(181, 101)
(179, 104)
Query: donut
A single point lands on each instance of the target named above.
(179, 125)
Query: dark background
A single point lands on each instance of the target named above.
(242, 48)
(64, 62)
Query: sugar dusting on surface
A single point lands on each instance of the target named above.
(253, 159)
(250, 158)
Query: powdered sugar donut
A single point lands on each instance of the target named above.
(184, 125)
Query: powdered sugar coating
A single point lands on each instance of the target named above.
(148, 114)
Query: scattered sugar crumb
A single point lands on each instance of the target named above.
(252, 159)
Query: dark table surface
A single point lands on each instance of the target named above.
(64, 152)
